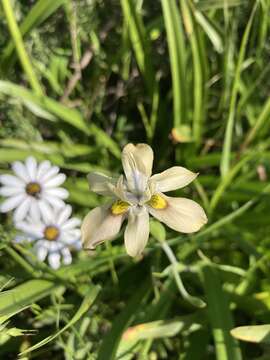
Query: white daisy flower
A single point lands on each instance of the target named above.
(53, 234)
(33, 188)
(135, 196)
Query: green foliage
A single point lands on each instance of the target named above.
(79, 80)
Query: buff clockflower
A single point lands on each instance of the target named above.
(32, 188)
(135, 196)
(53, 235)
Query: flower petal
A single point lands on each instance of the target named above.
(57, 192)
(12, 202)
(22, 210)
(55, 202)
(41, 251)
(55, 181)
(71, 224)
(11, 190)
(137, 231)
(54, 260)
(181, 214)
(52, 171)
(34, 211)
(100, 225)
(31, 167)
(11, 180)
(46, 212)
(34, 230)
(67, 258)
(137, 163)
(100, 183)
(63, 214)
(20, 170)
(173, 178)
(42, 169)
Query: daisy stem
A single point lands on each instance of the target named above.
(24, 264)
(191, 299)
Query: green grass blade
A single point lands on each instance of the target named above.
(227, 144)
(199, 65)
(220, 316)
(36, 16)
(261, 123)
(19, 45)
(11, 301)
(176, 46)
(111, 341)
(227, 180)
(88, 300)
(139, 40)
(70, 116)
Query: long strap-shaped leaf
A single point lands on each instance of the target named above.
(174, 31)
(70, 116)
(227, 145)
(88, 300)
(38, 13)
(19, 45)
(122, 321)
(220, 316)
(139, 41)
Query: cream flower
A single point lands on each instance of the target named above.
(135, 196)
(33, 188)
(53, 234)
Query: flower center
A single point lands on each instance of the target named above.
(51, 233)
(157, 202)
(119, 207)
(33, 189)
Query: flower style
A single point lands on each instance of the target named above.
(33, 188)
(137, 195)
(54, 233)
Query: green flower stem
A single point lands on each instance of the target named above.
(19, 260)
(191, 299)
(19, 45)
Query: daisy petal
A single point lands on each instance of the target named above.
(64, 214)
(12, 202)
(57, 192)
(54, 260)
(100, 183)
(31, 166)
(52, 171)
(67, 258)
(20, 170)
(100, 225)
(137, 231)
(46, 212)
(173, 178)
(10, 191)
(11, 180)
(41, 251)
(71, 223)
(34, 211)
(43, 168)
(55, 181)
(180, 214)
(54, 201)
(34, 230)
(22, 210)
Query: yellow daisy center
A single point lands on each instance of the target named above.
(51, 233)
(33, 188)
(157, 202)
(119, 207)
